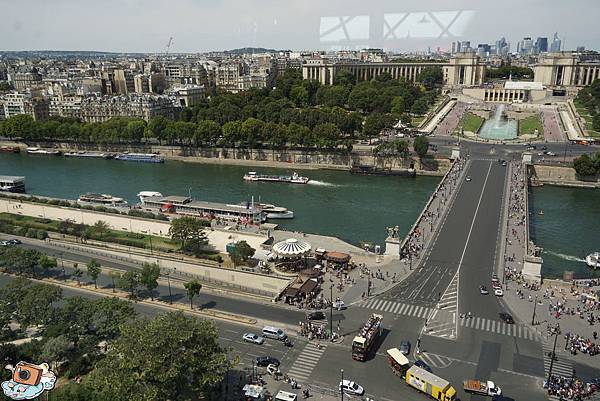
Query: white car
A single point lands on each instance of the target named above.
(350, 387)
(498, 292)
(468, 178)
(253, 338)
(339, 305)
(550, 153)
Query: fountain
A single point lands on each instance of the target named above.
(499, 127)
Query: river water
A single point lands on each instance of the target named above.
(568, 229)
(353, 208)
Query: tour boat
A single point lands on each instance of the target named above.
(10, 149)
(34, 150)
(83, 153)
(593, 260)
(270, 211)
(10, 183)
(293, 179)
(143, 195)
(140, 157)
(101, 200)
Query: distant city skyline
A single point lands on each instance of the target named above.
(145, 26)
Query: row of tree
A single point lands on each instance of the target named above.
(586, 165)
(509, 71)
(113, 353)
(590, 99)
(296, 112)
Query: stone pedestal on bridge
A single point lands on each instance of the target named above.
(392, 247)
(455, 153)
(527, 158)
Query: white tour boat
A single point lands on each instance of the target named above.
(290, 179)
(101, 200)
(593, 260)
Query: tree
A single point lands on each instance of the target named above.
(207, 132)
(93, 270)
(170, 357)
(77, 274)
(56, 350)
(101, 228)
(420, 106)
(252, 130)
(232, 133)
(30, 303)
(149, 277)
(431, 77)
(157, 127)
(135, 130)
(344, 77)
(584, 166)
(398, 106)
(374, 123)
(326, 135)
(241, 253)
(114, 276)
(190, 232)
(130, 281)
(20, 260)
(193, 288)
(596, 122)
(299, 95)
(421, 146)
(47, 263)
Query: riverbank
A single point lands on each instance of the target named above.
(564, 176)
(284, 159)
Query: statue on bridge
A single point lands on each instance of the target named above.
(393, 232)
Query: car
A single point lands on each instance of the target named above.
(498, 292)
(266, 361)
(507, 318)
(253, 338)
(14, 241)
(531, 147)
(423, 365)
(348, 386)
(550, 153)
(404, 347)
(504, 163)
(544, 147)
(483, 290)
(496, 285)
(541, 154)
(317, 315)
(339, 304)
(468, 178)
(4, 243)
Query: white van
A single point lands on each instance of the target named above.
(274, 332)
(285, 396)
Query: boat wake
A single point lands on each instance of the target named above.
(322, 183)
(565, 257)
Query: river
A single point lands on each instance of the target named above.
(353, 208)
(568, 229)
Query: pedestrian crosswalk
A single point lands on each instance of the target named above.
(498, 327)
(306, 362)
(442, 322)
(396, 308)
(561, 366)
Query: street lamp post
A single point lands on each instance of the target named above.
(553, 354)
(341, 385)
(534, 307)
(331, 310)
(169, 284)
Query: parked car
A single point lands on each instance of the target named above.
(404, 347)
(348, 386)
(483, 290)
(423, 365)
(498, 292)
(507, 318)
(550, 153)
(317, 315)
(339, 305)
(253, 338)
(531, 147)
(14, 241)
(266, 361)
(4, 243)
(468, 178)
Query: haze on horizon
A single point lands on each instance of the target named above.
(205, 25)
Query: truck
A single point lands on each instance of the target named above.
(430, 384)
(481, 387)
(367, 336)
(398, 362)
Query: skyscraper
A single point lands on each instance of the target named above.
(502, 47)
(526, 45)
(541, 45)
(556, 43)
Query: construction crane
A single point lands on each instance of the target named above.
(169, 45)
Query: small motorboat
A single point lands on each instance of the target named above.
(593, 260)
(541, 212)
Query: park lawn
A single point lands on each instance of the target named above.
(470, 122)
(415, 121)
(530, 124)
(584, 113)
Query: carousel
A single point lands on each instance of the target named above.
(291, 254)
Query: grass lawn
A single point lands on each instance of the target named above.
(470, 122)
(530, 124)
(415, 121)
(584, 113)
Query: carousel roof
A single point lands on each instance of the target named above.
(291, 247)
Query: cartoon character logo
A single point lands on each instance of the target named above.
(28, 381)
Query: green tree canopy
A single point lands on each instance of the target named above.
(93, 270)
(190, 231)
(149, 277)
(584, 166)
(192, 288)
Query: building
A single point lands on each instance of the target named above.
(23, 81)
(35, 106)
(136, 106)
(253, 80)
(462, 69)
(525, 46)
(567, 69)
(93, 85)
(556, 44)
(141, 83)
(123, 82)
(65, 105)
(228, 75)
(541, 45)
(188, 95)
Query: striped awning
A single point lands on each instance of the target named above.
(291, 247)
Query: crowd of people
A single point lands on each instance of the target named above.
(552, 131)
(516, 224)
(576, 343)
(313, 331)
(416, 240)
(570, 388)
(450, 122)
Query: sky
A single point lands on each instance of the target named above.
(205, 25)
